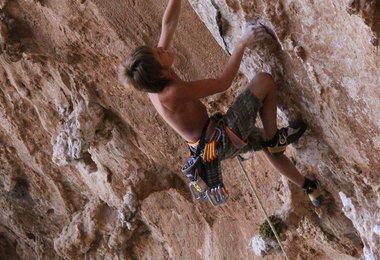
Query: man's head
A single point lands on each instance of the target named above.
(144, 68)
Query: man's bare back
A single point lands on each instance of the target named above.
(179, 102)
(186, 118)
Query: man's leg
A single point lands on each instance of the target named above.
(263, 87)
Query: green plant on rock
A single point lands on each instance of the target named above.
(266, 230)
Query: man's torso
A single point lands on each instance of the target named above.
(186, 118)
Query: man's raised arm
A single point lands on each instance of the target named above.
(251, 35)
(203, 88)
(169, 23)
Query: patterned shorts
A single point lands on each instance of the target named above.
(241, 119)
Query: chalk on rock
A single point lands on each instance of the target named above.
(261, 247)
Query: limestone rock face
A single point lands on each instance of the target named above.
(88, 168)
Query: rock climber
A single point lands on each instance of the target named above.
(220, 136)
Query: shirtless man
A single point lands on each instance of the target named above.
(217, 137)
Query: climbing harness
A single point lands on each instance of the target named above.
(239, 159)
(203, 168)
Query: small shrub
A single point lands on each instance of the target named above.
(266, 230)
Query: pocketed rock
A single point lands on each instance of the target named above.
(88, 168)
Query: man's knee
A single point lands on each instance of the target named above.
(265, 79)
(262, 83)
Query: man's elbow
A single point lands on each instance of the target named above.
(170, 25)
(222, 85)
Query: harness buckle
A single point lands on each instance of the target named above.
(282, 138)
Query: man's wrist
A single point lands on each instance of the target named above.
(241, 44)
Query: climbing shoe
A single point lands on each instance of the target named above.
(311, 188)
(285, 136)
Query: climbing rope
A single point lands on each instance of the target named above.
(239, 159)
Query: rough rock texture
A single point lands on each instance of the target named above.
(88, 169)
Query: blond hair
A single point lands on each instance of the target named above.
(143, 71)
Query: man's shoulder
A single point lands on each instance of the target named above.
(172, 89)
(183, 91)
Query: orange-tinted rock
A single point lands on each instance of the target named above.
(89, 169)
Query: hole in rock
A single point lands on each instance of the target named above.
(21, 188)
(31, 236)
